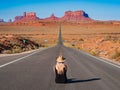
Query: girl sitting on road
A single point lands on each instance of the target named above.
(60, 70)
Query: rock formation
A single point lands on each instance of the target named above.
(1, 20)
(70, 16)
(27, 17)
(52, 18)
(10, 20)
(75, 16)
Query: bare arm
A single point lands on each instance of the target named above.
(54, 68)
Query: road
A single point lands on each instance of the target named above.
(34, 71)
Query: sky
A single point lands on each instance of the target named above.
(96, 9)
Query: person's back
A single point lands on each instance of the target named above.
(60, 71)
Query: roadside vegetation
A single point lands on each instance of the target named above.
(9, 45)
(104, 46)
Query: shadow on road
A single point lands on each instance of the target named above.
(74, 80)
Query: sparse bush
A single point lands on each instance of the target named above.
(42, 45)
(16, 49)
(73, 45)
(116, 54)
(79, 48)
(94, 52)
(81, 39)
(106, 38)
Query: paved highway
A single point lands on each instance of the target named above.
(34, 71)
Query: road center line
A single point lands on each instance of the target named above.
(17, 59)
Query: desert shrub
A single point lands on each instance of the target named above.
(94, 52)
(79, 48)
(73, 45)
(116, 54)
(81, 39)
(107, 38)
(42, 45)
(16, 49)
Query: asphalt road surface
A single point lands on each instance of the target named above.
(34, 71)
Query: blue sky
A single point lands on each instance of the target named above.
(96, 9)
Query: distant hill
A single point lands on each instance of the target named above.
(52, 18)
(75, 16)
(26, 17)
(68, 16)
(79, 16)
(1, 20)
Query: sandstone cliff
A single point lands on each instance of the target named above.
(27, 17)
(52, 18)
(75, 16)
(68, 16)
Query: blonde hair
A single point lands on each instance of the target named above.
(60, 68)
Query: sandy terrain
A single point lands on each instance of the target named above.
(101, 40)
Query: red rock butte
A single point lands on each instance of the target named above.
(68, 16)
(75, 16)
(52, 18)
(26, 17)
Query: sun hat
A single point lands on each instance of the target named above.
(60, 59)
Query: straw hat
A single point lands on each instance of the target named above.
(60, 59)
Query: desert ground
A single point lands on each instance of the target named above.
(98, 39)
